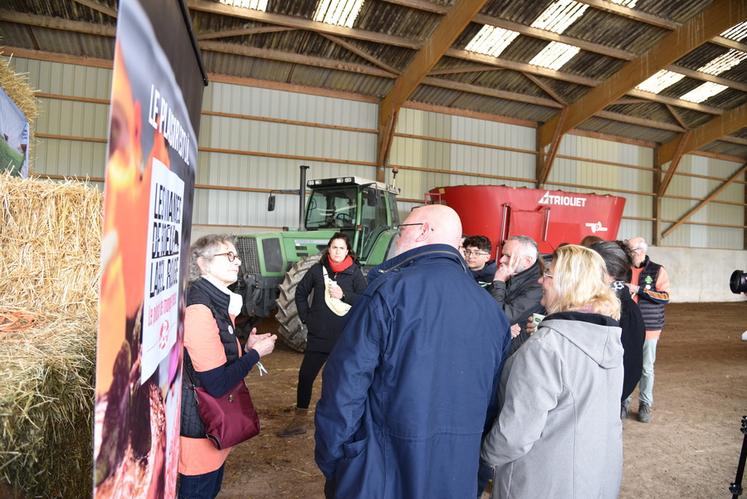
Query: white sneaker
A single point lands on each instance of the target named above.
(744, 336)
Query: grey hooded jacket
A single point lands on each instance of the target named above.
(559, 433)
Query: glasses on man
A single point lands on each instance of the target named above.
(230, 255)
(413, 224)
(476, 253)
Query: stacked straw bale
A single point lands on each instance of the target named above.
(50, 236)
(17, 87)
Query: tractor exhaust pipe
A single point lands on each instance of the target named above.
(302, 196)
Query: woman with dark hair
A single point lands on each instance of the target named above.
(336, 281)
(213, 358)
(617, 259)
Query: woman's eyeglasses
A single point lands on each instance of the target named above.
(547, 275)
(230, 255)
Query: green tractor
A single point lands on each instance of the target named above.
(273, 264)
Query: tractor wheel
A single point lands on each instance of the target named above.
(291, 330)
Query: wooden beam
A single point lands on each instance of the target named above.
(472, 68)
(545, 88)
(384, 143)
(603, 5)
(635, 15)
(300, 23)
(656, 203)
(521, 66)
(450, 27)
(94, 5)
(56, 23)
(697, 75)
(676, 116)
(719, 16)
(307, 60)
(420, 5)
(662, 99)
(729, 44)
(361, 53)
(731, 121)
(674, 163)
(733, 140)
(644, 122)
(40, 55)
(550, 36)
(256, 30)
(548, 159)
(489, 92)
(705, 201)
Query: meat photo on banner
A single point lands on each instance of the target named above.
(148, 193)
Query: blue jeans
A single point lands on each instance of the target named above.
(205, 486)
(646, 386)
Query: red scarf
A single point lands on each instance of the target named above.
(339, 267)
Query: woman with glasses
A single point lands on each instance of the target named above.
(559, 432)
(338, 276)
(213, 358)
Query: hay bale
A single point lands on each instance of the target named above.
(50, 235)
(17, 87)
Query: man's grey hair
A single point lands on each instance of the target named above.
(642, 244)
(528, 246)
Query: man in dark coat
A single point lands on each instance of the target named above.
(516, 286)
(409, 387)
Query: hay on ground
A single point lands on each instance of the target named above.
(50, 236)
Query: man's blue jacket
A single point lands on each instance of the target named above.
(410, 386)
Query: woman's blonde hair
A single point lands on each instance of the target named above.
(578, 278)
(205, 248)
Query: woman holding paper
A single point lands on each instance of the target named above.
(213, 358)
(336, 281)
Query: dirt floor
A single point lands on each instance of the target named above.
(690, 449)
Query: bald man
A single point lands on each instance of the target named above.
(411, 384)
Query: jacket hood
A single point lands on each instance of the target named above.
(409, 257)
(596, 335)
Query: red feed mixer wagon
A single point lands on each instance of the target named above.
(549, 217)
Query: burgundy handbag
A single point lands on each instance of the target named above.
(230, 419)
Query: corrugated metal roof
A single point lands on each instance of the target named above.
(357, 61)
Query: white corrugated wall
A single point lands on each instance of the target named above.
(253, 140)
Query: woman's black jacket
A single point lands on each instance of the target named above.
(324, 325)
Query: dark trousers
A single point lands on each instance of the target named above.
(310, 366)
(205, 486)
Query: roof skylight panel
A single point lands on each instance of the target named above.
(661, 80)
(338, 12)
(491, 40)
(554, 55)
(559, 15)
(724, 62)
(703, 92)
(260, 5)
(737, 32)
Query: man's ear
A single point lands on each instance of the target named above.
(424, 230)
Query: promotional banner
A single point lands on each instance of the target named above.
(14, 138)
(157, 85)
